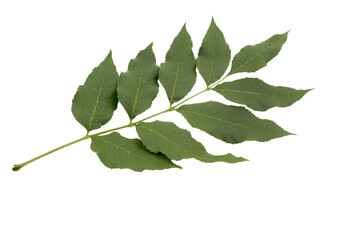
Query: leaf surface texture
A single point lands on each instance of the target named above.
(259, 95)
(116, 151)
(138, 87)
(231, 124)
(95, 101)
(177, 73)
(177, 143)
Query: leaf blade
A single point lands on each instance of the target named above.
(95, 101)
(138, 87)
(177, 143)
(177, 74)
(258, 95)
(214, 55)
(116, 151)
(231, 124)
(254, 57)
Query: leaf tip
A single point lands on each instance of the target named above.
(283, 37)
(291, 134)
(305, 91)
(213, 24)
(286, 34)
(177, 166)
(308, 90)
(183, 27)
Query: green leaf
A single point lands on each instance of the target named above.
(253, 58)
(177, 73)
(116, 151)
(231, 124)
(138, 87)
(259, 95)
(177, 143)
(214, 55)
(95, 101)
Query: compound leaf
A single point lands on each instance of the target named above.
(177, 73)
(116, 151)
(231, 124)
(253, 58)
(214, 55)
(177, 143)
(138, 87)
(259, 95)
(95, 101)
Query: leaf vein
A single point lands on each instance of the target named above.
(138, 89)
(219, 119)
(177, 69)
(253, 93)
(98, 97)
(213, 57)
(167, 139)
(124, 149)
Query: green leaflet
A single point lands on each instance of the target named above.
(253, 58)
(138, 87)
(177, 143)
(177, 73)
(214, 55)
(116, 151)
(231, 124)
(95, 101)
(259, 95)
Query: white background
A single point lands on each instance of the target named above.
(297, 187)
